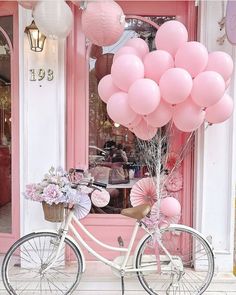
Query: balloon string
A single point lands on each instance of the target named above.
(181, 156)
(158, 170)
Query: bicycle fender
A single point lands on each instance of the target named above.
(195, 231)
(171, 226)
(72, 240)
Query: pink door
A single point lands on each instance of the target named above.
(84, 135)
(9, 125)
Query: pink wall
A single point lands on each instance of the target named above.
(11, 8)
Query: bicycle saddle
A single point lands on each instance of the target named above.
(137, 212)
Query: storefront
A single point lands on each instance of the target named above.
(87, 117)
(62, 122)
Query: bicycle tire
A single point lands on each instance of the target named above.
(189, 250)
(23, 264)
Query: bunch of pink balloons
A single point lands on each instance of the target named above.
(179, 81)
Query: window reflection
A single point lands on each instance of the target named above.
(114, 155)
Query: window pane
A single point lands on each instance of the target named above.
(114, 155)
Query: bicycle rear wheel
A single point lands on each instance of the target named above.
(23, 265)
(191, 269)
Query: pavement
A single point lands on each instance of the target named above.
(98, 279)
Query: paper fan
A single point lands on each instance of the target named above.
(171, 161)
(174, 182)
(143, 192)
(83, 207)
(100, 198)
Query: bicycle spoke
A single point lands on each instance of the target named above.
(24, 265)
(56, 286)
(180, 274)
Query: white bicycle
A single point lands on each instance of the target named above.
(172, 260)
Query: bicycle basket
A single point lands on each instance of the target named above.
(54, 212)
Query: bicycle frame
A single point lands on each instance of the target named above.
(123, 267)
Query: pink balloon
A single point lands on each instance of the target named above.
(161, 116)
(28, 4)
(156, 63)
(126, 50)
(220, 62)
(175, 85)
(140, 45)
(170, 207)
(144, 96)
(208, 88)
(106, 88)
(135, 122)
(221, 111)
(193, 57)
(144, 131)
(125, 70)
(171, 36)
(101, 22)
(187, 116)
(119, 110)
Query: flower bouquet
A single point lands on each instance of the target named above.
(54, 191)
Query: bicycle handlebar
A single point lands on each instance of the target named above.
(79, 170)
(101, 184)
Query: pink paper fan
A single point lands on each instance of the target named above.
(100, 198)
(174, 182)
(171, 161)
(143, 192)
(83, 207)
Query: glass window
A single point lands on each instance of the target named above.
(114, 153)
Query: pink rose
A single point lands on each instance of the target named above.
(32, 193)
(52, 194)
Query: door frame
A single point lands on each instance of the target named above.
(77, 121)
(11, 8)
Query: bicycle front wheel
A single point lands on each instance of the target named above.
(182, 263)
(24, 264)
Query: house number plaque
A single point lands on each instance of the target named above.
(41, 74)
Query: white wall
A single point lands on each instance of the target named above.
(42, 119)
(215, 156)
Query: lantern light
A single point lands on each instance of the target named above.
(36, 38)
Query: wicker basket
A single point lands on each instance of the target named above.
(54, 212)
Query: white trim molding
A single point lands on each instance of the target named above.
(215, 157)
(42, 118)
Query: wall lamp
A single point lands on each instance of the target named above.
(36, 38)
